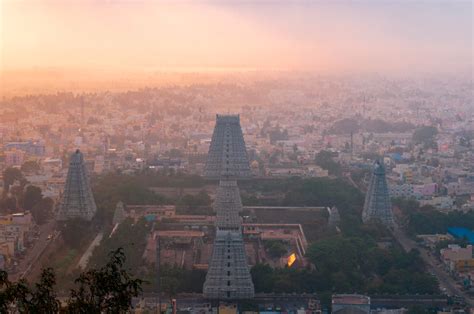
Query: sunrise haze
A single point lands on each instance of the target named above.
(382, 36)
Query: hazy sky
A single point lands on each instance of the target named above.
(328, 35)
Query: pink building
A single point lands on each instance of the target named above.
(425, 189)
(456, 253)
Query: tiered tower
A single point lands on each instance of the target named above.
(228, 276)
(377, 206)
(227, 154)
(77, 200)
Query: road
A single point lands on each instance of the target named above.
(289, 302)
(33, 253)
(88, 253)
(443, 277)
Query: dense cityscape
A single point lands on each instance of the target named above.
(236, 157)
(140, 172)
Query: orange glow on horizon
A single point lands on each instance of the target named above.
(154, 35)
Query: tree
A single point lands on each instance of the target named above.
(10, 175)
(43, 299)
(112, 188)
(43, 210)
(30, 166)
(131, 237)
(170, 285)
(16, 192)
(19, 296)
(345, 126)
(425, 135)
(325, 161)
(73, 231)
(276, 249)
(31, 197)
(109, 289)
(174, 153)
(407, 206)
(8, 205)
(13, 294)
(199, 204)
(262, 277)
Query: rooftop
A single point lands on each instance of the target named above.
(459, 232)
(350, 299)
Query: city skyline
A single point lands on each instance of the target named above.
(236, 156)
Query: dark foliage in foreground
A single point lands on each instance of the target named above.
(109, 289)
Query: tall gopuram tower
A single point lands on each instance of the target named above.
(377, 206)
(228, 276)
(227, 153)
(77, 200)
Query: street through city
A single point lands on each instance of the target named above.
(32, 254)
(444, 278)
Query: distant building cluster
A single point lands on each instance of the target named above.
(16, 233)
(129, 135)
(415, 144)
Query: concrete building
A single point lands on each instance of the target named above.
(456, 253)
(402, 190)
(458, 259)
(29, 147)
(444, 203)
(13, 232)
(430, 240)
(350, 304)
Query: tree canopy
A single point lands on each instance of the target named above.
(30, 166)
(425, 135)
(345, 265)
(275, 248)
(428, 220)
(40, 299)
(109, 289)
(325, 161)
(43, 210)
(10, 175)
(31, 197)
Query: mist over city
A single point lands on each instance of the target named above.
(236, 156)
